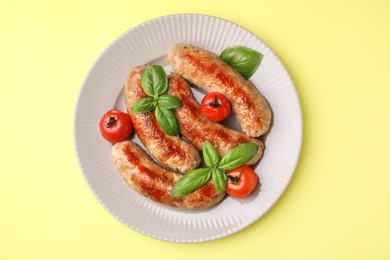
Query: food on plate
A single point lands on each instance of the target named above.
(160, 108)
(216, 168)
(241, 181)
(210, 73)
(197, 129)
(170, 151)
(115, 126)
(155, 182)
(215, 107)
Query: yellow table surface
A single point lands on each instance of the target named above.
(337, 205)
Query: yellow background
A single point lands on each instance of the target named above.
(337, 205)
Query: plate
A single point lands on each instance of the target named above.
(148, 43)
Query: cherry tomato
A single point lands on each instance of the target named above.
(241, 181)
(215, 106)
(115, 126)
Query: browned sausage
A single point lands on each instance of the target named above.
(170, 151)
(196, 128)
(156, 183)
(209, 72)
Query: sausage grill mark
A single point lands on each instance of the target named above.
(223, 78)
(156, 183)
(196, 128)
(208, 71)
(171, 151)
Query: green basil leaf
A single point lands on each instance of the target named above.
(168, 102)
(219, 179)
(191, 181)
(238, 156)
(143, 105)
(210, 155)
(167, 121)
(244, 60)
(154, 81)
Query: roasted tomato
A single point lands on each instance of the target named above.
(215, 106)
(115, 126)
(241, 181)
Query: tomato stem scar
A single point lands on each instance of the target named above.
(215, 103)
(232, 179)
(111, 122)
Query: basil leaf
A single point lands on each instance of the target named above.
(244, 60)
(168, 102)
(238, 156)
(167, 121)
(210, 155)
(143, 105)
(219, 179)
(190, 182)
(154, 81)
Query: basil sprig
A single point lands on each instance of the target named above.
(154, 82)
(219, 179)
(210, 155)
(166, 120)
(191, 181)
(237, 157)
(195, 179)
(244, 60)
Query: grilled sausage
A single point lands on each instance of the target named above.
(209, 72)
(196, 128)
(156, 183)
(170, 151)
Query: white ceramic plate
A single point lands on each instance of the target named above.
(102, 90)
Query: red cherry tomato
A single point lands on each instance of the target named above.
(241, 181)
(215, 106)
(115, 126)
